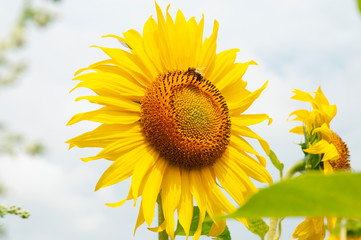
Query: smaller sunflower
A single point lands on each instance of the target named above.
(334, 151)
(321, 113)
(324, 149)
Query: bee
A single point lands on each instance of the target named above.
(197, 72)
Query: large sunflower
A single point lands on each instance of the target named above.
(322, 144)
(172, 119)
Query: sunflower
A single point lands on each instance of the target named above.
(322, 112)
(172, 120)
(322, 144)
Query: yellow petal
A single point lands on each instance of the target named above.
(152, 188)
(117, 148)
(122, 103)
(250, 166)
(331, 222)
(236, 183)
(237, 108)
(302, 115)
(250, 119)
(120, 169)
(106, 115)
(160, 228)
(140, 219)
(323, 147)
(135, 41)
(242, 145)
(103, 135)
(110, 80)
(223, 64)
(120, 203)
(232, 86)
(197, 191)
(208, 52)
(325, 131)
(144, 165)
(246, 132)
(327, 168)
(171, 192)
(302, 96)
(298, 130)
(310, 228)
(129, 62)
(185, 209)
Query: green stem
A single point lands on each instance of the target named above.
(161, 235)
(297, 167)
(343, 231)
(272, 228)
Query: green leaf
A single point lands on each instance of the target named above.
(353, 227)
(206, 227)
(276, 162)
(258, 226)
(319, 195)
(359, 5)
(313, 161)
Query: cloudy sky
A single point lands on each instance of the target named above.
(297, 43)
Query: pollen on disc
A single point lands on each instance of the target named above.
(185, 117)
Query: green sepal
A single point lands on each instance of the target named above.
(276, 162)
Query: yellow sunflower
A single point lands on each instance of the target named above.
(172, 120)
(321, 143)
(321, 140)
(322, 112)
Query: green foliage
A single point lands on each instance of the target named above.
(258, 226)
(353, 227)
(14, 210)
(276, 162)
(307, 195)
(359, 5)
(255, 225)
(206, 227)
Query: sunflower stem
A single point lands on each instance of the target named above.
(297, 167)
(161, 235)
(272, 229)
(343, 231)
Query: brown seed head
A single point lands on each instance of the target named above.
(185, 117)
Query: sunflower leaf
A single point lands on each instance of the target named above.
(206, 227)
(258, 226)
(276, 162)
(314, 195)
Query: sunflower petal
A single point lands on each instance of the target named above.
(120, 169)
(152, 188)
(171, 192)
(246, 102)
(106, 115)
(185, 209)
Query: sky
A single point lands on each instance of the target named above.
(298, 44)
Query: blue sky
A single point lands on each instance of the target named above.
(298, 44)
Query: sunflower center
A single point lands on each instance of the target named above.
(343, 162)
(185, 117)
